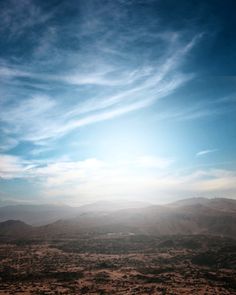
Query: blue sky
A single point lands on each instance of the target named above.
(125, 99)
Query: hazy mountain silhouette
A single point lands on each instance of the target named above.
(44, 214)
(222, 204)
(36, 214)
(192, 216)
(14, 228)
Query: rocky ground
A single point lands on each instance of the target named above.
(119, 264)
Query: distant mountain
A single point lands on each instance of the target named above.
(189, 201)
(212, 218)
(43, 214)
(192, 216)
(222, 204)
(14, 228)
(106, 206)
(36, 214)
(227, 205)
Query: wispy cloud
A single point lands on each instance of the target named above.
(64, 85)
(205, 152)
(23, 120)
(16, 17)
(12, 167)
(198, 110)
(41, 118)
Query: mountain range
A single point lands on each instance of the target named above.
(184, 217)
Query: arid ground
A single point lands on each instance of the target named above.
(119, 264)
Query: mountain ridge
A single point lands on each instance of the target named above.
(216, 217)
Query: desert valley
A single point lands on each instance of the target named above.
(186, 247)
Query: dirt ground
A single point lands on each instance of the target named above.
(119, 265)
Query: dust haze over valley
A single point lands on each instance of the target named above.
(117, 147)
(188, 216)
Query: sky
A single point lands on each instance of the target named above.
(123, 99)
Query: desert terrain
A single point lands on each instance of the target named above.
(83, 256)
(117, 264)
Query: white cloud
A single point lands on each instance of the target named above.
(29, 118)
(205, 152)
(111, 182)
(12, 167)
(60, 174)
(91, 179)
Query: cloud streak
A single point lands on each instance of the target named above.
(45, 98)
(17, 17)
(13, 167)
(205, 152)
(41, 118)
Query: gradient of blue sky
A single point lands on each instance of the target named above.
(126, 99)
